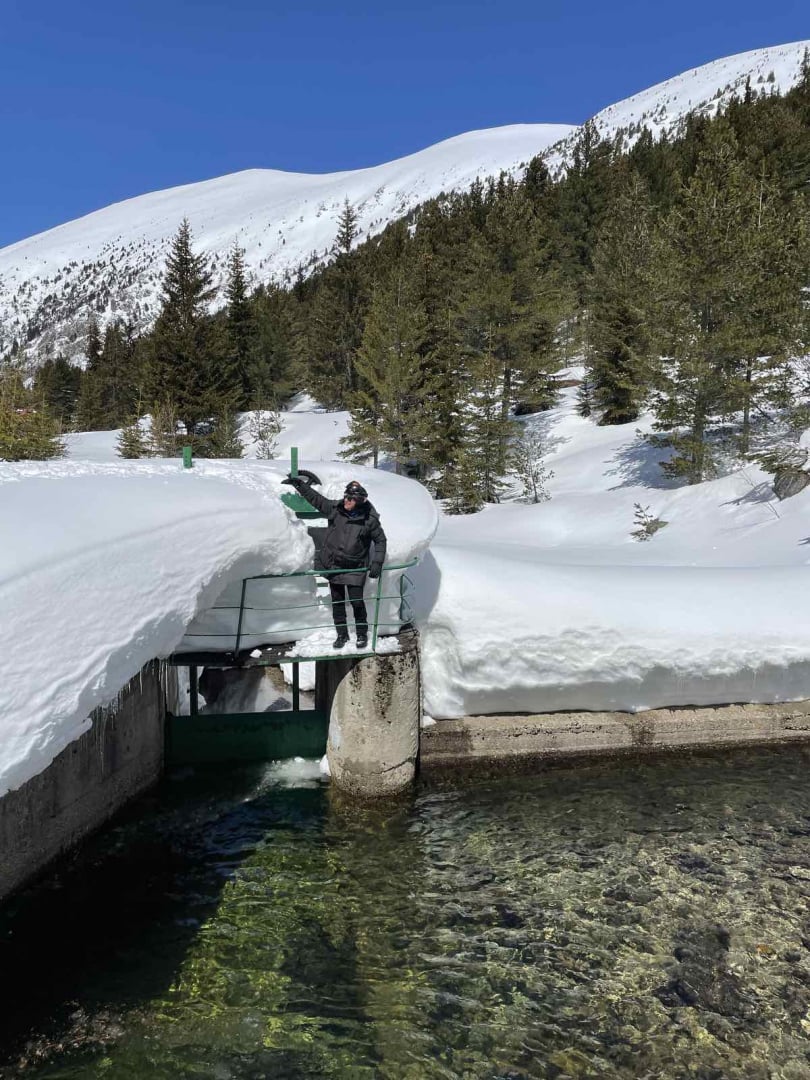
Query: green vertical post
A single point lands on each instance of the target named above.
(377, 611)
(296, 688)
(293, 461)
(193, 693)
(187, 463)
(241, 619)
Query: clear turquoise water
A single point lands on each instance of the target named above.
(646, 920)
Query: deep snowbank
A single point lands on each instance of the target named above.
(299, 609)
(103, 567)
(515, 636)
(555, 606)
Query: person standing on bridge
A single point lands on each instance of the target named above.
(354, 525)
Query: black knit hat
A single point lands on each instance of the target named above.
(355, 490)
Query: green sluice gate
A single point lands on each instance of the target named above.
(208, 739)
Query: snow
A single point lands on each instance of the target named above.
(530, 608)
(280, 220)
(305, 424)
(320, 643)
(704, 89)
(106, 565)
(285, 220)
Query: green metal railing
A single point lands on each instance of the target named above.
(374, 624)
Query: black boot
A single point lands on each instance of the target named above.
(341, 639)
(362, 639)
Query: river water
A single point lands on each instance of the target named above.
(633, 920)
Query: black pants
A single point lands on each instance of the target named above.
(358, 606)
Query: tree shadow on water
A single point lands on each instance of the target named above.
(109, 925)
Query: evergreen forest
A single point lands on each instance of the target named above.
(671, 277)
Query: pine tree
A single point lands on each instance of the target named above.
(334, 326)
(131, 442)
(704, 271)
(346, 230)
(90, 405)
(654, 159)
(527, 458)
(619, 337)
(581, 204)
(93, 346)
(56, 387)
(181, 370)
(482, 459)
(27, 431)
(514, 292)
(585, 393)
(774, 272)
(461, 490)
(264, 428)
(437, 430)
(240, 332)
(224, 440)
(388, 369)
(273, 373)
(119, 374)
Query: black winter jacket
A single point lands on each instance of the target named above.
(348, 540)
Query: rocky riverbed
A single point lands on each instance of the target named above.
(636, 920)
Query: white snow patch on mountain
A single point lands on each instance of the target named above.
(702, 90)
(108, 264)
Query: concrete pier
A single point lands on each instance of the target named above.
(120, 757)
(374, 708)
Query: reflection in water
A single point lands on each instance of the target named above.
(642, 920)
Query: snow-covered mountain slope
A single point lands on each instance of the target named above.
(702, 90)
(109, 263)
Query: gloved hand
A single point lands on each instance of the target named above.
(293, 481)
(374, 571)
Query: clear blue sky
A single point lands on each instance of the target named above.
(103, 101)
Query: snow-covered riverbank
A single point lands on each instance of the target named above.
(103, 566)
(556, 606)
(105, 563)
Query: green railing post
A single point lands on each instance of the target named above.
(241, 616)
(296, 688)
(377, 611)
(187, 462)
(404, 614)
(193, 695)
(293, 461)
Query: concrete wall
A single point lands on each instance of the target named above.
(517, 740)
(117, 759)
